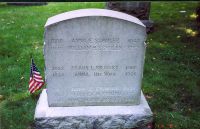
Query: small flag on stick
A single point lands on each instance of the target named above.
(36, 82)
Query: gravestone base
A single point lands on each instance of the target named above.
(92, 117)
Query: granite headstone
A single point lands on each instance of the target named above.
(94, 60)
(93, 68)
(139, 9)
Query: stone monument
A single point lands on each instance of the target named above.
(139, 9)
(93, 68)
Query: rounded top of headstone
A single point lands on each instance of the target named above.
(92, 12)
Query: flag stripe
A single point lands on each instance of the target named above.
(36, 82)
(35, 72)
(32, 86)
(31, 82)
(31, 78)
(38, 77)
(40, 86)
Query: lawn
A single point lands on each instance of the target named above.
(171, 80)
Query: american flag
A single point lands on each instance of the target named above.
(36, 82)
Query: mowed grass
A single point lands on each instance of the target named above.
(171, 80)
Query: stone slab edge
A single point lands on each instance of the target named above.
(92, 12)
(91, 117)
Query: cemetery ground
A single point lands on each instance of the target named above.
(171, 80)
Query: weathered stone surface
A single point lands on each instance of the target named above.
(139, 9)
(149, 25)
(94, 64)
(94, 57)
(91, 117)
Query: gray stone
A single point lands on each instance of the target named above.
(92, 117)
(94, 57)
(149, 25)
(138, 9)
(94, 66)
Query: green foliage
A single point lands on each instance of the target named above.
(172, 66)
(171, 72)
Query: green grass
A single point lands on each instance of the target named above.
(171, 72)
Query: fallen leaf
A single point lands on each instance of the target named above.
(149, 97)
(1, 97)
(170, 126)
(182, 11)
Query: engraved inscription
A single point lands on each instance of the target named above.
(94, 67)
(55, 43)
(58, 74)
(130, 71)
(97, 93)
(58, 68)
(81, 73)
(94, 61)
(93, 44)
(94, 70)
